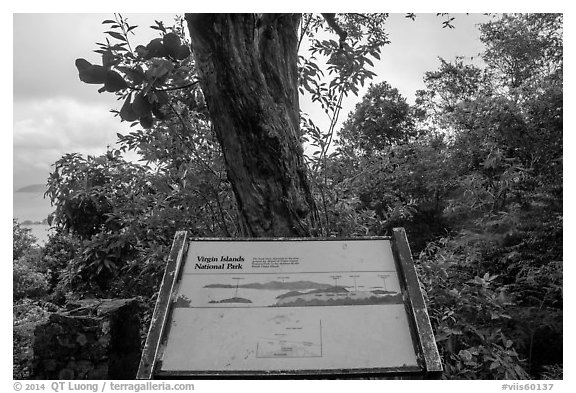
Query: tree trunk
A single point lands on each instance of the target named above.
(247, 64)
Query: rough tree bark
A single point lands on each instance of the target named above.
(247, 65)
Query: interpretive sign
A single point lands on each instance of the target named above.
(288, 307)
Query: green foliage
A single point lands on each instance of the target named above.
(154, 80)
(508, 164)
(125, 216)
(22, 240)
(29, 286)
(450, 89)
(469, 314)
(59, 250)
(347, 63)
(28, 281)
(26, 315)
(381, 119)
(554, 371)
(116, 219)
(523, 47)
(486, 179)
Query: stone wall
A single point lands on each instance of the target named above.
(94, 339)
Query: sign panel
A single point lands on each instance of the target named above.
(288, 305)
(285, 306)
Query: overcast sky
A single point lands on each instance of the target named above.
(54, 113)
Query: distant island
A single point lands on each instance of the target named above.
(310, 293)
(232, 300)
(337, 296)
(330, 289)
(30, 222)
(33, 188)
(275, 285)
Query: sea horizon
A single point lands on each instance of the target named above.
(32, 208)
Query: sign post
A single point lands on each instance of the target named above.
(290, 308)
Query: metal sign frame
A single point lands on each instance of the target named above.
(428, 358)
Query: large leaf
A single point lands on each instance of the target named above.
(141, 51)
(147, 122)
(172, 44)
(114, 81)
(141, 105)
(127, 113)
(183, 52)
(116, 35)
(155, 49)
(109, 60)
(82, 64)
(89, 73)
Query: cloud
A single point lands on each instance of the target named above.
(63, 123)
(45, 129)
(47, 45)
(53, 111)
(45, 51)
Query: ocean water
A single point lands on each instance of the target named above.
(39, 231)
(33, 207)
(30, 206)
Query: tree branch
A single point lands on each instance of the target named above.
(169, 88)
(331, 19)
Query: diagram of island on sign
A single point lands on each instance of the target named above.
(294, 290)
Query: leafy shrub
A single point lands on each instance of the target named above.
(22, 240)
(116, 220)
(27, 283)
(555, 371)
(60, 249)
(27, 314)
(469, 314)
